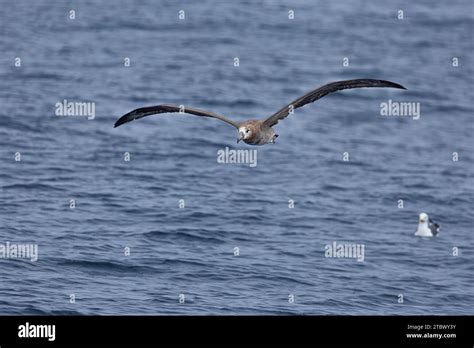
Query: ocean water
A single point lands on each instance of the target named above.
(191, 251)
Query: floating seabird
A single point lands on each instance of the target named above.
(259, 132)
(426, 227)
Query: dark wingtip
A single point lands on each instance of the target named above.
(120, 121)
(392, 84)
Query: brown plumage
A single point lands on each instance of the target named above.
(259, 132)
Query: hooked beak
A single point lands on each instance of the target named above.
(241, 137)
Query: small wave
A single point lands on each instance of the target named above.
(184, 236)
(107, 266)
(31, 186)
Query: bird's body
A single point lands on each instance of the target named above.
(426, 227)
(259, 132)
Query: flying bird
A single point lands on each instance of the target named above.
(426, 227)
(259, 132)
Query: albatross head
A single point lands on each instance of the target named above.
(423, 219)
(244, 133)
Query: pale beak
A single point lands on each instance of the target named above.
(241, 136)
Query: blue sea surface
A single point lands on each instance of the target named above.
(236, 247)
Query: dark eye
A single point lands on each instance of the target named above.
(246, 131)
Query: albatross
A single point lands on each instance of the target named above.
(259, 132)
(427, 227)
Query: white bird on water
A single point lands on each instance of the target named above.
(426, 227)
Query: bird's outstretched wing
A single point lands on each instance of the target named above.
(324, 90)
(160, 109)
